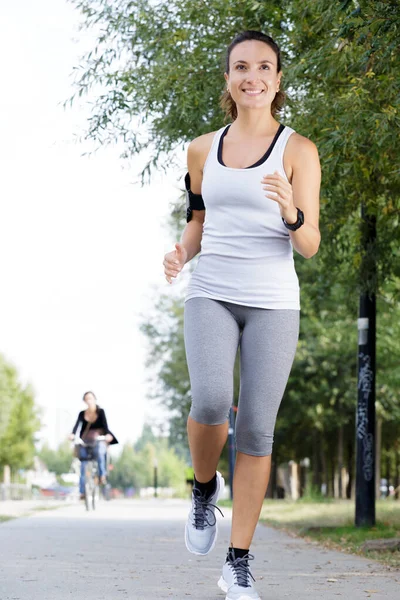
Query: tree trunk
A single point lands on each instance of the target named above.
(388, 469)
(333, 473)
(397, 482)
(316, 463)
(330, 476)
(378, 456)
(271, 490)
(350, 467)
(303, 478)
(340, 462)
(324, 468)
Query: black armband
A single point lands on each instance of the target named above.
(193, 201)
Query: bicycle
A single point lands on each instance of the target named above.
(92, 479)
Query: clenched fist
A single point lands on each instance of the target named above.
(174, 262)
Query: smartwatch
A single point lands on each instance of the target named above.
(299, 222)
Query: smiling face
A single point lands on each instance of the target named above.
(253, 77)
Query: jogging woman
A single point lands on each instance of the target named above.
(254, 195)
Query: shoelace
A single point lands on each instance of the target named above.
(241, 569)
(202, 510)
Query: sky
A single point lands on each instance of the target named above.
(81, 244)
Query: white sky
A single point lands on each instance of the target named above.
(81, 247)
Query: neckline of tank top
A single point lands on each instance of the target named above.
(256, 164)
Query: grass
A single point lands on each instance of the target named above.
(41, 508)
(332, 524)
(4, 518)
(28, 512)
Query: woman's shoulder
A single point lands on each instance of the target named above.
(202, 144)
(301, 153)
(198, 151)
(298, 142)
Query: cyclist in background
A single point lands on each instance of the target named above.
(91, 423)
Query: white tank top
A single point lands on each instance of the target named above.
(246, 253)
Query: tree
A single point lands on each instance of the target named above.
(128, 470)
(344, 95)
(134, 468)
(9, 387)
(149, 67)
(167, 357)
(342, 68)
(20, 421)
(57, 461)
(147, 437)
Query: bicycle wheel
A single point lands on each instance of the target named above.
(107, 492)
(88, 493)
(89, 485)
(95, 496)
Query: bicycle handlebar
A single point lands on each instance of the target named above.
(80, 442)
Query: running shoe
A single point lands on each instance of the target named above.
(201, 527)
(236, 579)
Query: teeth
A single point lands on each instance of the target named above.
(253, 92)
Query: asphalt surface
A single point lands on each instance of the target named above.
(24, 508)
(135, 550)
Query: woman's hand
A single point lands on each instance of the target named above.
(71, 437)
(174, 262)
(109, 438)
(281, 192)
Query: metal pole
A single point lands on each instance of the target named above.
(365, 419)
(231, 447)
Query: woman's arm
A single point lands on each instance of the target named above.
(196, 157)
(78, 421)
(190, 244)
(303, 169)
(104, 425)
(192, 235)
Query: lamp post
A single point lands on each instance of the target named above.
(365, 421)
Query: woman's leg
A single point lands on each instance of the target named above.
(267, 350)
(82, 477)
(211, 341)
(101, 458)
(206, 443)
(249, 487)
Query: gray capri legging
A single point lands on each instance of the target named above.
(267, 339)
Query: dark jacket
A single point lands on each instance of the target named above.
(100, 425)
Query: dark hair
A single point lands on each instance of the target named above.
(86, 393)
(227, 102)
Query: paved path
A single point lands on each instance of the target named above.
(21, 508)
(134, 550)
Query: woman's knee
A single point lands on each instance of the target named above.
(254, 442)
(211, 406)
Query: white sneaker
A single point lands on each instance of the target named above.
(236, 579)
(201, 527)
